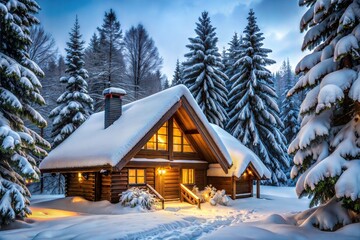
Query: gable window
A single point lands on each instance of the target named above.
(159, 141)
(181, 144)
(136, 176)
(188, 176)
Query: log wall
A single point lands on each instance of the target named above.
(200, 178)
(105, 187)
(119, 184)
(76, 185)
(220, 183)
(244, 186)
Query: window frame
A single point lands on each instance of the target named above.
(156, 142)
(183, 139)
(136, 177)
(188, 170)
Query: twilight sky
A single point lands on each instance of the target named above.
(171, 22)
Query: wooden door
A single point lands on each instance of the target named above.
(167, 184)
(159, 182)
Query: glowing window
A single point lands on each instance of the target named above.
(159, 141)
(136, 176)
(181, 144)
(188, 176)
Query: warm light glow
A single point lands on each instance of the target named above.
(161, 171)
(180, 143)
(49, 214)
(80, 177)
(28, 181)
(159, 141)
(136, 176)
(188, 176)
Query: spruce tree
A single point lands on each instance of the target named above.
(327, 153)
(20, 147)
(290, 110)
(177, 77)
(253, 112)
(111, 44)
(233, 51)
(224, 60)
(202, 74)
(74, 105)
(166, 84)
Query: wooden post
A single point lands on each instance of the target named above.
(233, 195)
(97, 186)
(257, 188)
(170, 139)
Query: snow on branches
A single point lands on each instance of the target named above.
(203, 75)
(327, 147)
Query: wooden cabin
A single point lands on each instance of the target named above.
(162, 142)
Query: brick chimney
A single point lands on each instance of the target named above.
(113, 104)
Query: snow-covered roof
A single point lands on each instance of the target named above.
(91, 145)
(241, 157)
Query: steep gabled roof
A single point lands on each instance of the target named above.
(93, 146)
(241, 156)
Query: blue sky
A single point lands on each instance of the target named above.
(170, 23)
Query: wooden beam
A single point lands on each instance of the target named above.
(198, 153)
(195, 165)
(170, 138)
(191, 131)
(208, 138)
(257, 188)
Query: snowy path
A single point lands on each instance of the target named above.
(189, 227)
(75, 218)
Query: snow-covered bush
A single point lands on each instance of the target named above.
(211, 195)
(220, 198)
(138, 197)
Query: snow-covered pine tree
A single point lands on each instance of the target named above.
(327, 153)
(233, 51)
(223, 60)
(166, 84)
(178, 74)
(202, 74)
(20, 147)
(290, 110)
(253, 111)
(75, 105)
(280, 85)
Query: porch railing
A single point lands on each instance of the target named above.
(153, 191)
(189, 196)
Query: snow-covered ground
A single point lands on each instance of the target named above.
(55, 217)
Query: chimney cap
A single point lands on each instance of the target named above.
(114, 91)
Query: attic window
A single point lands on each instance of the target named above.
(159, 141)
(181, 144)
